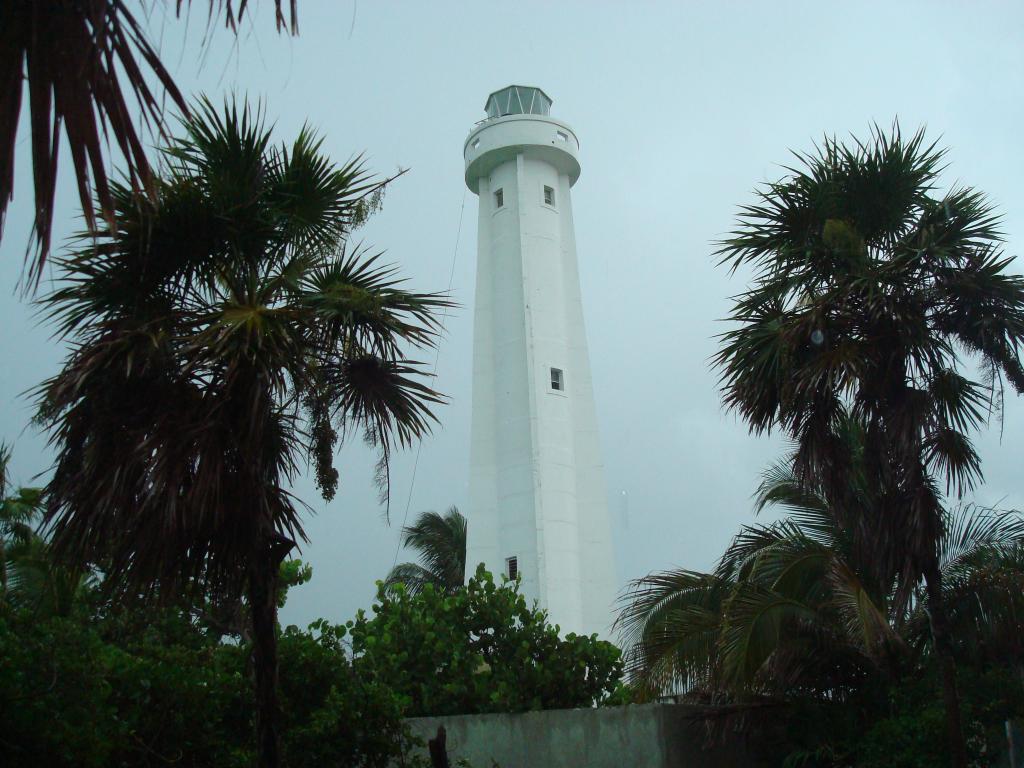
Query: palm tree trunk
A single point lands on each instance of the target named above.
(943, 645)
(263, 577)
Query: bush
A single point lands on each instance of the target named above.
(479, 650)
(72, 698)
(333, 717)
(902, 726)
(147, 688)
(913, 734)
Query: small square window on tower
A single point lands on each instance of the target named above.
(557, 380)
(549, 196)
(512, 567)
(499, 198)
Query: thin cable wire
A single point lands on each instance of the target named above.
(433, 373)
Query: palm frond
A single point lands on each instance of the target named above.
(953, 456)
(867, 624)
(974, 535)
(669, 625)
(382, 397)
(441, 543)
(36, 583)
(756, 622)
(412, 577)
(83, 62)
(359, 302)
(73, 54)
(321, 202)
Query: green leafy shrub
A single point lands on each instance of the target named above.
(148, 687)
(913, 733)
(332, 716)
(482, 649)
(71, 697)
(899, 726)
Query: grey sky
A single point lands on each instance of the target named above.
(681, 110)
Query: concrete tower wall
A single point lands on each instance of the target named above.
(537, 488)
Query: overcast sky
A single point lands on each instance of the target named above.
(681, 110)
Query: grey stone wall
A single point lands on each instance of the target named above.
(637, 736)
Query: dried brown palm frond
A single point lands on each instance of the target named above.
(81, 62)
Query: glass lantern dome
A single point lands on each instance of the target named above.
(518, 100)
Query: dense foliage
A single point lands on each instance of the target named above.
(86, 681)
(481, 649)
(901, 725)
(794, 627)
(150, 687)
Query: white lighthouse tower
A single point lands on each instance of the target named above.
(538, 505)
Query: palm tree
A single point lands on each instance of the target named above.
(441, 542)
(221, 335)
(80, 59)
(982, 561)
(873, 294)
(39, 584)
(29, 578)
(793, 607)
(19, 510)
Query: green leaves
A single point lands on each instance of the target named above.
(670, 624)
(754, 628)
(478, 649)
(322, 203)
(147, 686)
(359, 301)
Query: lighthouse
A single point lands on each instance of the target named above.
(538, 504)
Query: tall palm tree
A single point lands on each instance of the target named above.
(873, 293)
(441, 543)
(221, 335)
(80, 62)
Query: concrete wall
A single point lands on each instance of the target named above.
(637, 736)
